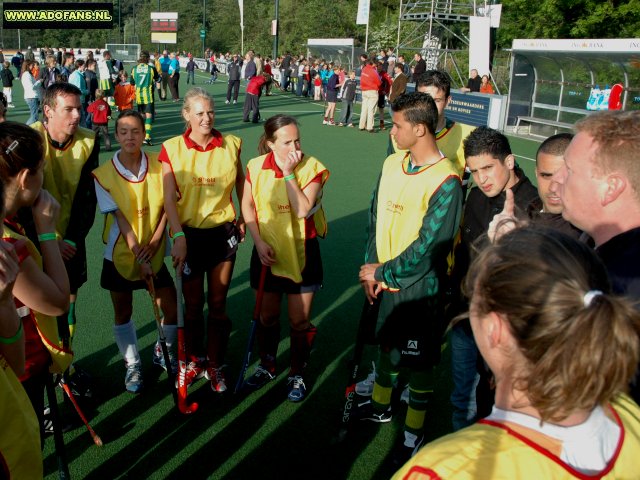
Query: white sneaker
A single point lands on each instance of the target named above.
(11, 105)
(235, 101)
(365, 387)
(227, 102)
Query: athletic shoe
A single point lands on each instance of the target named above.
(147, 141)
(158, 359)
(259, 379)
(133, 378)
(366, 412)
(216, 377)
(350, 125)
(11, 105)
(227, 102)
(296, 388)
(365, 387)
(194, 372)
(79, 382)
(408, 448)
(341, 124)
(324, 122)
(47, 421)
(332, 123)
(235, 101)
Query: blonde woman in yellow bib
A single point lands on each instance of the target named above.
(200, 169)
(282, 209)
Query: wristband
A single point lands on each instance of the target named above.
(14, 339)
(43, 237)
(71, 242)
(176, 235)
(291, 176)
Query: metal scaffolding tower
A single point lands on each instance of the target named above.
(432, 21)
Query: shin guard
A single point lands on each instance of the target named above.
(301, 344)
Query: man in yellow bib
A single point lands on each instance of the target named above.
(71, 154)
(413, 219)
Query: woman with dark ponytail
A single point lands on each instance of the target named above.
(563, 351)
(282, 210)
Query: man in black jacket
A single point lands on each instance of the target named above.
(494, 170)
(599, 186)
(233, 70)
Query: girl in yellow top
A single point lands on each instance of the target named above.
(200, 170)
(281, 205)
(20, 455)
(41, 290)
(562, 350)
(129, 191)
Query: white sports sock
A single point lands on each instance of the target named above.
(127, 341)
(170, 333)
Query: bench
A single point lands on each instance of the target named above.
(542, 121)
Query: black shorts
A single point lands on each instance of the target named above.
(77, 268)
(145, 108)
(311, 275)
(332, 96)
(381, 100)
(208, 247)
(114, 282)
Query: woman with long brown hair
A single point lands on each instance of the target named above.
(562, 350)
(282, 209)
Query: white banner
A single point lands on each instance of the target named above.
(479, 44)
(241, 5)
(362, 17)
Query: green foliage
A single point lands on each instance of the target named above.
(333, 19)
(384, 36)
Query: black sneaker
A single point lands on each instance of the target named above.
(407, 448)
(259, 379)
(366, 412)
(296, 388)
(79, 382)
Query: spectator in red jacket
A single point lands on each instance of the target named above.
(252, 97)
(383, 91)
(369, 84)
(100, 114)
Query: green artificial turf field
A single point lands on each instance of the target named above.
(261, 435)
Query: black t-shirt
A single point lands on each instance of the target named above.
(474, 84)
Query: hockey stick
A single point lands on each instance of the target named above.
(366, 330)
(96, 439)
(252, 331)
(163, 340)
(182, 353)
(63, 467)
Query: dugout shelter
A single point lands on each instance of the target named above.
(552, 80)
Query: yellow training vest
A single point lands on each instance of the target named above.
(205, 181)
(20, 439)
(403, 199)
(487, 452)
(62, 170)
(47, 326)
(449, 141)
(142, 205)
(279, 226)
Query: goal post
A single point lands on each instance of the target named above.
(127, 52)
